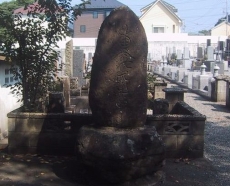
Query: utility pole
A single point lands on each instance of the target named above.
(226, 17)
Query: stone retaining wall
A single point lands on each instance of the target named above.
(44, 133)
(182, 132)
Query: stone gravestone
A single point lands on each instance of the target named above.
(174, 50)
(119, 146)
(179, 54)
(210, 53)
(69, 59)
(121, 59)
(200, 52)
(179, 57)
(186, 53)
(186, 60)
(78, 66)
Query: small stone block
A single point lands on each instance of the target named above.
(18, 139)
(190, 142)
(11, 124)
(170, 142)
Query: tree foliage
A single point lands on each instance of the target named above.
(29, 45)
(6, 9)
(205, 32)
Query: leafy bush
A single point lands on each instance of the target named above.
(29, 46)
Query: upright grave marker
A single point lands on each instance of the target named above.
(118, 94)
(118, 146)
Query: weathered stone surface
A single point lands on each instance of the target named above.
(78, 66)
(66, 90)
(160, 106)
(69, 58)
(73, 83)
(118, 87)
(75, 92)
(121, 154)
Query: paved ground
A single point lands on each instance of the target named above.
(213, 170)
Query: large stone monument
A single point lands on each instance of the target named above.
(118, 146)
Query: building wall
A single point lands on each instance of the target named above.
(92, 25)
(8, 103)
(159, 16)
(221, 30)
(158, 44)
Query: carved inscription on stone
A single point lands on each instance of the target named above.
(119, 72)
(69, 58)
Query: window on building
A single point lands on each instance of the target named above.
(6, 80)
(9, 76)
(95, 15)
(11, 79)
(174, 29)
(158, 29)
(7, 71)
(82, 28)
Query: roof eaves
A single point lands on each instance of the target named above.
(224, 22)
(172, 12)
(148, 7)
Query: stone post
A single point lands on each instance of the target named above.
(220, 89)
(216, 69)
(66, 90)
(202, 69)
(173, 95)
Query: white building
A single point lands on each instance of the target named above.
(160, 17)
(222, 29)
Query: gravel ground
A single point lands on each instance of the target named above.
(217, 133)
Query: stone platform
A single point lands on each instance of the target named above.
(118, 155)
(182, 131)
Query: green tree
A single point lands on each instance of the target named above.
(29, 47)
(205, 32)
(6, 9)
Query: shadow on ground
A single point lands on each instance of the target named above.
(36, 170)
(218, 107)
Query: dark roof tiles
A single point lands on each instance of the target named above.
(104, 4)
(169, 6)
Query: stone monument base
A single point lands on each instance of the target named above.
(119, 155)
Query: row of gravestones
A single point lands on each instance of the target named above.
(69, 98)
(208, 52)
(200, 80)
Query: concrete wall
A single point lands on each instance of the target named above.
(8, 102)
(158, 43)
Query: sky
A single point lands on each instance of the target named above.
(196, 15)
